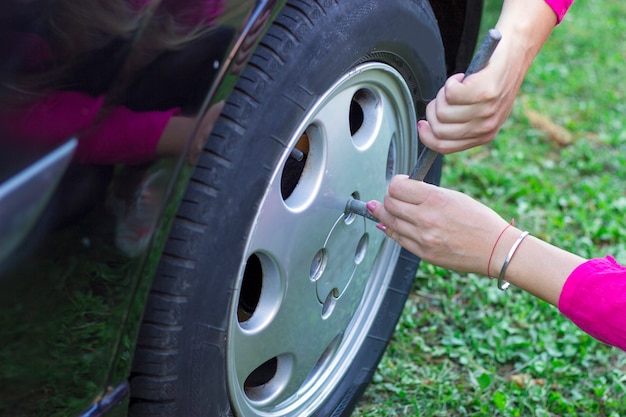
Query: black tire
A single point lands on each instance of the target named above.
(205, 348)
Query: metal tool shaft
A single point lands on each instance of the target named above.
(358, 207)
(428, 156)
(480, 60)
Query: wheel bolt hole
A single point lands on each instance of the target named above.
(330, 303)
(322, 362)
(269, 379)
(294, 167)
(251, 287)
(361, 249)
(356, 116)
(261, 375)
(365, 112)
(319, 264)
(392, 160)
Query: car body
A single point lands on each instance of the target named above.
(92, 209)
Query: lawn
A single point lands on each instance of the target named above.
(464, 348)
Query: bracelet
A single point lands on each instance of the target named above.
(512, 223)
(502, 284)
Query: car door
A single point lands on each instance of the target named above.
(103, 107)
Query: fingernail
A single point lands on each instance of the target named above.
(371, 205)
(381, 227)
(419, 125)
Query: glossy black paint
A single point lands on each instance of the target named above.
(74, 280)
(71, 290)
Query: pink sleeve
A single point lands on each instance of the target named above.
(594, 298)
(52, 119)
(123, 136)
(560, 7)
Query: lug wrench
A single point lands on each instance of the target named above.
(428, 156)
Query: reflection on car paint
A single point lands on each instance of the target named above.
(24, 196)
(129, 79)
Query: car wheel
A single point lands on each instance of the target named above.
(269, 300)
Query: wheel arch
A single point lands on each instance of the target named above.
(459, 24)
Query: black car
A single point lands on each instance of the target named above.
(173, 183)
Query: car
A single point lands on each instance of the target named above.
(173, 183)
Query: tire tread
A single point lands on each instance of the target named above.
(157, 364)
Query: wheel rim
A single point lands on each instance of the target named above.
(313, 278)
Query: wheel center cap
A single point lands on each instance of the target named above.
(335, 264)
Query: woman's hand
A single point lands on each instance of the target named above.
(443, 227)
(470, 112)
(454, 231)
(173, 140)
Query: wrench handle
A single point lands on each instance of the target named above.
(480, 60)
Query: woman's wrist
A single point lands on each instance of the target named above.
(525, 26)
(501, 248)
(536, 266)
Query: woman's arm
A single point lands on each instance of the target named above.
(449, 229)
(452, 230)
(471, 113)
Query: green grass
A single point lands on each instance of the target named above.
(464, 348)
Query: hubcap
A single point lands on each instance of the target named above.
(314, 278)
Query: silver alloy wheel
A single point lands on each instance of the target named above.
(312, 273)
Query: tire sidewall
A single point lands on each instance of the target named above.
(250, 143)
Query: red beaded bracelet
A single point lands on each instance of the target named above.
(512, 223)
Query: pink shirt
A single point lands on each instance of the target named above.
(594, 298)
(560, 7)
